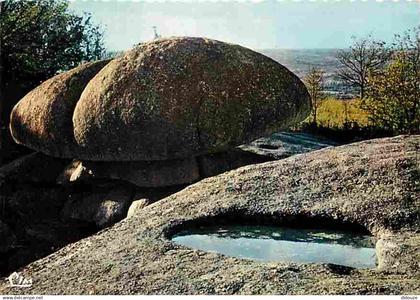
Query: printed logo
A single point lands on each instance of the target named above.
(18, 280)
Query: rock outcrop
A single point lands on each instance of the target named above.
(44, 207)
(166, 113)
(168, 99)
(371, 184)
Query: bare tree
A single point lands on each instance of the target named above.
(314, 81)
(364, 57)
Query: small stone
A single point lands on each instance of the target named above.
(136, 206)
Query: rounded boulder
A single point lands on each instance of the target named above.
(173, 99)
(42, 120)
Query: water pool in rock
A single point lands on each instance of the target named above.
(269, 243)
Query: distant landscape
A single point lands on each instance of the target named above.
(299, 61)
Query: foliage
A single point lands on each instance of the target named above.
(363, 57)
(41, 38)
(314, 81)
(394, 95)
(38, 39)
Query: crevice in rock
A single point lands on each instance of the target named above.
(268, 147)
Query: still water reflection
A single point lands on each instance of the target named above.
(267, 243)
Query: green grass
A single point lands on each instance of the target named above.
(332, 113)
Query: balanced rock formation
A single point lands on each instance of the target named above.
(168, 99)
(371, 184)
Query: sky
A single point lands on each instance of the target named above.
(265, 24)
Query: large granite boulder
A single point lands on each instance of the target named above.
(42, 120)
(371, 185)
(167, 99)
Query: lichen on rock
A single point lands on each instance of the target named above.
(167, 99)
(42, 120)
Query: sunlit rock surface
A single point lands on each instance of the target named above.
(372, 184)
(167, 99)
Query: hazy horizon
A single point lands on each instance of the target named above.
(287, 25)
(277, 49)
